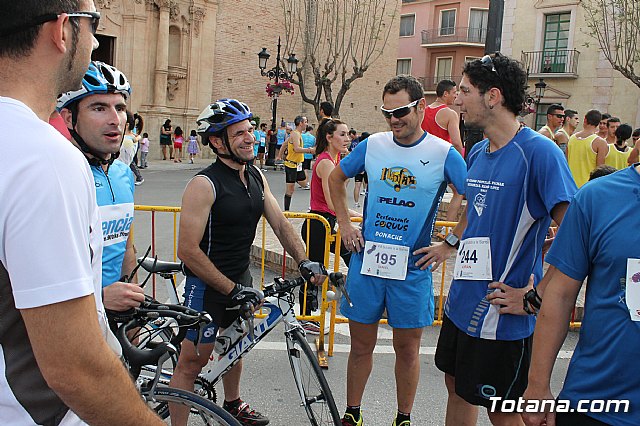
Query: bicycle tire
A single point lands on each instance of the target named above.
(312, 385)
(201, 411)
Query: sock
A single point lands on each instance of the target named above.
(354, 411)
(231, 404)
(401, 417)
(287, 202)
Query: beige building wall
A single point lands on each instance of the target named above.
(180, 55)
(597, 85)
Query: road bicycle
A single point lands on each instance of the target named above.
(141, 350)
(315, 395)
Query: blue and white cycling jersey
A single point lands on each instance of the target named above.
(114, 193)
(510, 194)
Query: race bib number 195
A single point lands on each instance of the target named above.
(385, 260)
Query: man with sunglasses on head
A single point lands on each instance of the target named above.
(517, 182)
(555, 119)
(408, 170)
(54, 338)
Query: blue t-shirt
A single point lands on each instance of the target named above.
(598, 234)
(406, 184)
(510, 194)
(256, 144)
(308, 140)
(114, 194)
(281, 135)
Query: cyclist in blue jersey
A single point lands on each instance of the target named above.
(408, 171)
(96, 117)
(518, 180)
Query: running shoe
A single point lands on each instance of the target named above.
(139, 182)
(348, 420)
(403, 423)
(311, 327)
(247, 416)
(307, 187)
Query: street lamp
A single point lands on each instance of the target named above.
(540, 88)
(529, 100)
(276, 73)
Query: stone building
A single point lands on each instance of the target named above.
(181, 54)
(549, 37)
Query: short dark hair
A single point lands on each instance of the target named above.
(569, 113)
(309, 127)
(299, 119)
(601, 170)
(444, 86)
(131, 121)
(605, 116)
(327, 108)
(613, 120)
(636, 132)
(404, 82)
(593, 117)
(503, 73)
(554, 107)
(19, 32)
(353, 132)
(623, 132)
(145, 135)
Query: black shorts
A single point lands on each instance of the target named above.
(216, 303)
(261, 150)
(306, 164)
(359, 177)
(292, 175)
(483, 368)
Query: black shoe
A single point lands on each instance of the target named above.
(245, 415)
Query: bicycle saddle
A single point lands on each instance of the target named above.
(156, 266)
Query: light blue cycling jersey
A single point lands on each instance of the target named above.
(114, 193)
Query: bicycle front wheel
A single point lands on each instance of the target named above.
(312, 385)
(201, 411)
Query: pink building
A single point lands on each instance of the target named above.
(438, 36)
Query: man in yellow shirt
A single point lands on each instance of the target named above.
(619, 151)
(294, 159)
(586, 150)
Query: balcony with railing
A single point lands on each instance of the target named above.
(429, 83)
(461, 36)
(552, 63)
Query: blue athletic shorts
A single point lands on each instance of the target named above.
(409, 303)
(194, 290)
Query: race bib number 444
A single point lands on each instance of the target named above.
(385, 260)
(474, 260)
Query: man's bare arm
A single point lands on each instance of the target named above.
(351, 234)
(601, 150)
(453, 127)
(197, 200)
(72, 354)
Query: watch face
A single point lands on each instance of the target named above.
(452, 239)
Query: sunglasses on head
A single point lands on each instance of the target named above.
(487, 62)
(400, 111)
(39, 20)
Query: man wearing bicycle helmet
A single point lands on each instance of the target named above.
(221, 207)
(96, 116)
(56, 360)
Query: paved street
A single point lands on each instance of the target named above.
(267, 381)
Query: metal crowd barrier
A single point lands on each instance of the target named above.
(331, 259)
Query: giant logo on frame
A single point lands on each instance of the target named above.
(398, 178)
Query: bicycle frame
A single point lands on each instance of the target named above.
(279, 310)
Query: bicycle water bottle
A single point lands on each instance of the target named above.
(230, 336)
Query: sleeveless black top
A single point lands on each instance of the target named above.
(233, 218)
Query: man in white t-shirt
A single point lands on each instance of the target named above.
(54, 343)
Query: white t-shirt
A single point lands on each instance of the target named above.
(50, 252)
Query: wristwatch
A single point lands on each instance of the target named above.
(452, 240)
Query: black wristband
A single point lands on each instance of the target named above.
(532, 298)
